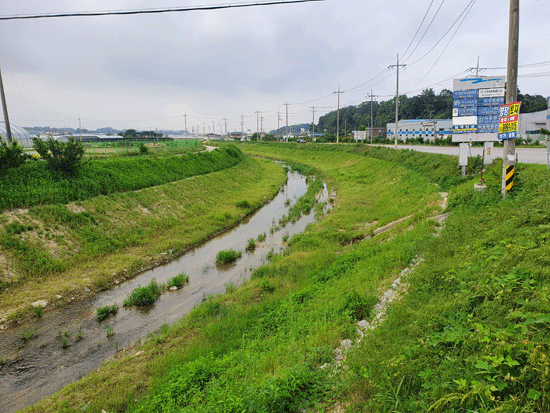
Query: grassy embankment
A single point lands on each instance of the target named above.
(61, 248)
(259, 348)
(469, 334)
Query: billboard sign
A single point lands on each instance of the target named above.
(476, 105)
(508, 124)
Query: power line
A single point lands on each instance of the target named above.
(469, 5)
(151, 11)
(425, 31)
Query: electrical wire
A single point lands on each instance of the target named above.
(471, 5)
(426, 31)
(468, 7)
(419, 27)
(152, 11)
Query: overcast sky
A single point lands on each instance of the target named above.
(148, 71)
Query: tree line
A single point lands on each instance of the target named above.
(426, 105)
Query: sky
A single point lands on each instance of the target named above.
(207, 68)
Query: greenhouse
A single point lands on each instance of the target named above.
(17, 134)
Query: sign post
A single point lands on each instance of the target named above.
(508, 130)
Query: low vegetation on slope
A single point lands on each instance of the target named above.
(469, 332)
(33, 184)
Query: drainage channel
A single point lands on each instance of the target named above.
(69, 342)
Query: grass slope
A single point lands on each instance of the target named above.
(469, 334)
(259, 348)
(49, 247)
(32, 184)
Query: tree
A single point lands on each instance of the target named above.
(61, 157)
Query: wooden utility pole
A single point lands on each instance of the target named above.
(313, 125)
(509, 152)
(397, 101)
(286, 104)
(338, 117)
(6, 118)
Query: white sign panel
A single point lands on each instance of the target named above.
(465, 120)
(360, 135)
(479, 83)
(492, 93)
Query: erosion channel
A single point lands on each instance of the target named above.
(70, 342)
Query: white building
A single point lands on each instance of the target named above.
(529, 125)
(421, 128)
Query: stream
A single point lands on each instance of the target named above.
(41, 366)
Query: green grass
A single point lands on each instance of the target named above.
(260, 348)
(469, 333)
(227, 256)
(144, 296)
(178, 281)
(106, 311)
(32, 184)
(28, 334)
(251, 244)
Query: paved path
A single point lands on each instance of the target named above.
(524, 155)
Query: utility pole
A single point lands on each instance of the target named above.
(6, 118)
(262, 124)
(225, 120)
(213, 127)
(286, 104)
(257, 125)
(509, 151)
(313, 125)
(242, 125)
(80, 129)
(185, 117)
(477, 68)
(371, 117)
(397, 100)
(338, 116)
(278, 123)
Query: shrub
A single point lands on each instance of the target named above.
(227, 256)
(104, 312)
(178, 280)
(143, 149)
(11, 156)
(261, 237)
(143, 296)
(61, 157)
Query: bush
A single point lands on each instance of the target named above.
(11, 156)
(104, 312)
(143, 150)
(61, 157)
(143, 296)
(227, 256)
(178, 280)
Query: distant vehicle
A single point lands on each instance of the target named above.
(301, 141)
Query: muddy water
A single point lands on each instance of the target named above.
(41, 366)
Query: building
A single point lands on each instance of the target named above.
(19, 134)
(421, 128)
(530, 124)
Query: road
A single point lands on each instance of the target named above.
(524, 155)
